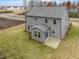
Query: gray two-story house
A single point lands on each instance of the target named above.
(46, 22)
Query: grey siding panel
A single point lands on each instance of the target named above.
(31, 21)
(55, 27)
(64, 26)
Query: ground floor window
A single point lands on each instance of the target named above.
(35, 33)
(39, 34)
(46, 35)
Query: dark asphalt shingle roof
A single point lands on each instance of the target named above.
(53, 12)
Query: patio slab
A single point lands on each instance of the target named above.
(52, 42)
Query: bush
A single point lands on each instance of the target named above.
(21, 12)
(73, 15)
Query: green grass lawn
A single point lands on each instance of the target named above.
(17, 44)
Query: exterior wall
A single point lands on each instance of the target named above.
(55, 27)
(64, 26)
(31, 21)
(41, 39)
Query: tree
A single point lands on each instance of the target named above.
(44, 4)
(50, 4)
(68, 5)
(77, 5)
(73, 5)
(31, 3)
(55, 4)
(24, 4)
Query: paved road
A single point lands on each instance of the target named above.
(13, 16)
(21, 17)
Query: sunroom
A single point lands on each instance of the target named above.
(40, 33)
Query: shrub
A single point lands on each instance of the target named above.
(73, 15)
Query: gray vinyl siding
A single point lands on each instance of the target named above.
(31, 21)
(64, 26)
(55, 27)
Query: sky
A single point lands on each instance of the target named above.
(20, 2)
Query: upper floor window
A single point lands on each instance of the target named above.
(54, 21)
(46, 20)
(35, 18)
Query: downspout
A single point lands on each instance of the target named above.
(60, 29)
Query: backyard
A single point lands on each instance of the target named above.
(7, 23)
(17, 44)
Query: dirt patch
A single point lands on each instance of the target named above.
(76, 24)
(2, 56)
(7, 23)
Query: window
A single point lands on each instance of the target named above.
(28, 26)
(35, 18)
(39, 34)
(46, 35)
(46, 20)
(35, 33)
(54, 21)
(53, 31)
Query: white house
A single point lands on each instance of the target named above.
(46, 22)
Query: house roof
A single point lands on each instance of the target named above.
(52, 12)
(40, 27)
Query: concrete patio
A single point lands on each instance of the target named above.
(52, 42)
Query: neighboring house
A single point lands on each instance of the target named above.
(46, 22)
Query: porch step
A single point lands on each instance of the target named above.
(52, 42)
